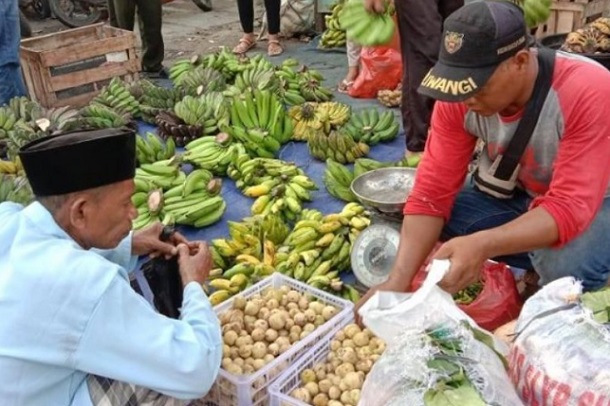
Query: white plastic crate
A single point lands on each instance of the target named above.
(251, 390)
(289, 380)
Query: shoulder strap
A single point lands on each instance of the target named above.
(523, 133)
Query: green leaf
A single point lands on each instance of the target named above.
(598, 303)
(487, 340)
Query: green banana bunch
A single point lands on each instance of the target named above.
(117, 97)
(7, 121)
(150, 149)
(202, 80)
(338, 145)
(154, 99)
(310, 85)
(209, 112)
(141, 199)
(99, 116)
(289, 83)
(334, 35)
(23, 107)
(212, 153)
(15, 189)
(171, 126)
(338, 180)
(261, 78)
(363, 165)
(20, 135)
(182, 67)
(164, 175)
(366, 28)
(371, 127)
(536, 11)
(260, 123)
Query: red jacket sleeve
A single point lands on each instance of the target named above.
(581, 171)
(441, 173)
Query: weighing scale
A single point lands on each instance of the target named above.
(383, 192)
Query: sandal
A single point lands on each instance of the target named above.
(345, 86)
(245, 44)
(274, 48)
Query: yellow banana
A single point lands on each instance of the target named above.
(220, 284)
(219, 296)
(325, 240)
(268, 253)
(241, 258)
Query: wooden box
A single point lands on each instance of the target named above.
(71, 67)
(569, 15)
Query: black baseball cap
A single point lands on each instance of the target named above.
(476, 39)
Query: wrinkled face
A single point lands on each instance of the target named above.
(502, 89)
(109, 215)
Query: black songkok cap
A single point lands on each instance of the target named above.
(77, 161)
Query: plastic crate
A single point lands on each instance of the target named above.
(251, 390)
(280, 390)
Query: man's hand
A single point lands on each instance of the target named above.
(391, 285)
(147, 242)
(467, 255)
(375, 6)
(194, 263)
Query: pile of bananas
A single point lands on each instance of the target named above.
(390, 98)
(230, 64)
(23, 108)
(98, 116)
(153, 99)
(202, 80)
(536, 11)
(318, 248)
(260, 123)
(591, 39)
(310, 83)
(370, 127)
(171, 126)
(310, 118)
(182, 67)
(117, 97)
(261, 77)
(149, 149)
(247, 257)
(334, 35)
(338, 145)
(211, 153)
(289, 87)
(209, 112)
(278, 186)
(15, 189)
(7, 121)
(338, 180)
(366, 28)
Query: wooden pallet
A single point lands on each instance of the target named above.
(70, 67)
(569, 15)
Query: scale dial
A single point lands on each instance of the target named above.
(374, 252)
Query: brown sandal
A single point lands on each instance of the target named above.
(274, 48)
(244, 46)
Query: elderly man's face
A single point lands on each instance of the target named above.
(110, 219)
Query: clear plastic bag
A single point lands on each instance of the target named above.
(408, 372)
(561, 356)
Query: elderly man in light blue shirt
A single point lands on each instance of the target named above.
(70, 318)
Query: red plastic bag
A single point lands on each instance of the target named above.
(499, 301)
(380, 69)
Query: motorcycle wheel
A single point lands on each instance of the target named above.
(42, 8)
(86, 13)
(24, 25)
(204, 5)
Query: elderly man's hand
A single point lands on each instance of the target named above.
(375, 6)
(147, 242)
(194, 262)
(467, 255)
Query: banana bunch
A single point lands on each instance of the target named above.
(196, 202)
(20, 135)
(366, 28)
(318, 248)
(536, 11)
(150, 149)
(11, 167)
(338, 180)
(363, 165)
(7, 121)
(261, 78)
(159, 175)
(23, 108)
(99, 116)
(593, 38)
(211, 153)
(333, 114)
(118, 97)
(278, 186)
(171, 126)
(334, 35)
(338, 145)
(154, 99)
(182, 67)
(260, 123)
(310, 85)
(209, 112)
(370, 127)
(202, 80)
(15, 189)
(288, 79)
(306, 121)
(148, 204)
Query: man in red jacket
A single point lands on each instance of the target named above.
(558, 218)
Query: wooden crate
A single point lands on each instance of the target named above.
(569, 15)
(71, 67)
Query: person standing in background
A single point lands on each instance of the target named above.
(122, 15)
(420, 24)
(11, 82)
(246, 18)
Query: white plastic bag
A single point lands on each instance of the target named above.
(406, 373)
(296, 17)
(561, 356)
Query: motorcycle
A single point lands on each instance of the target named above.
(78, 13)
